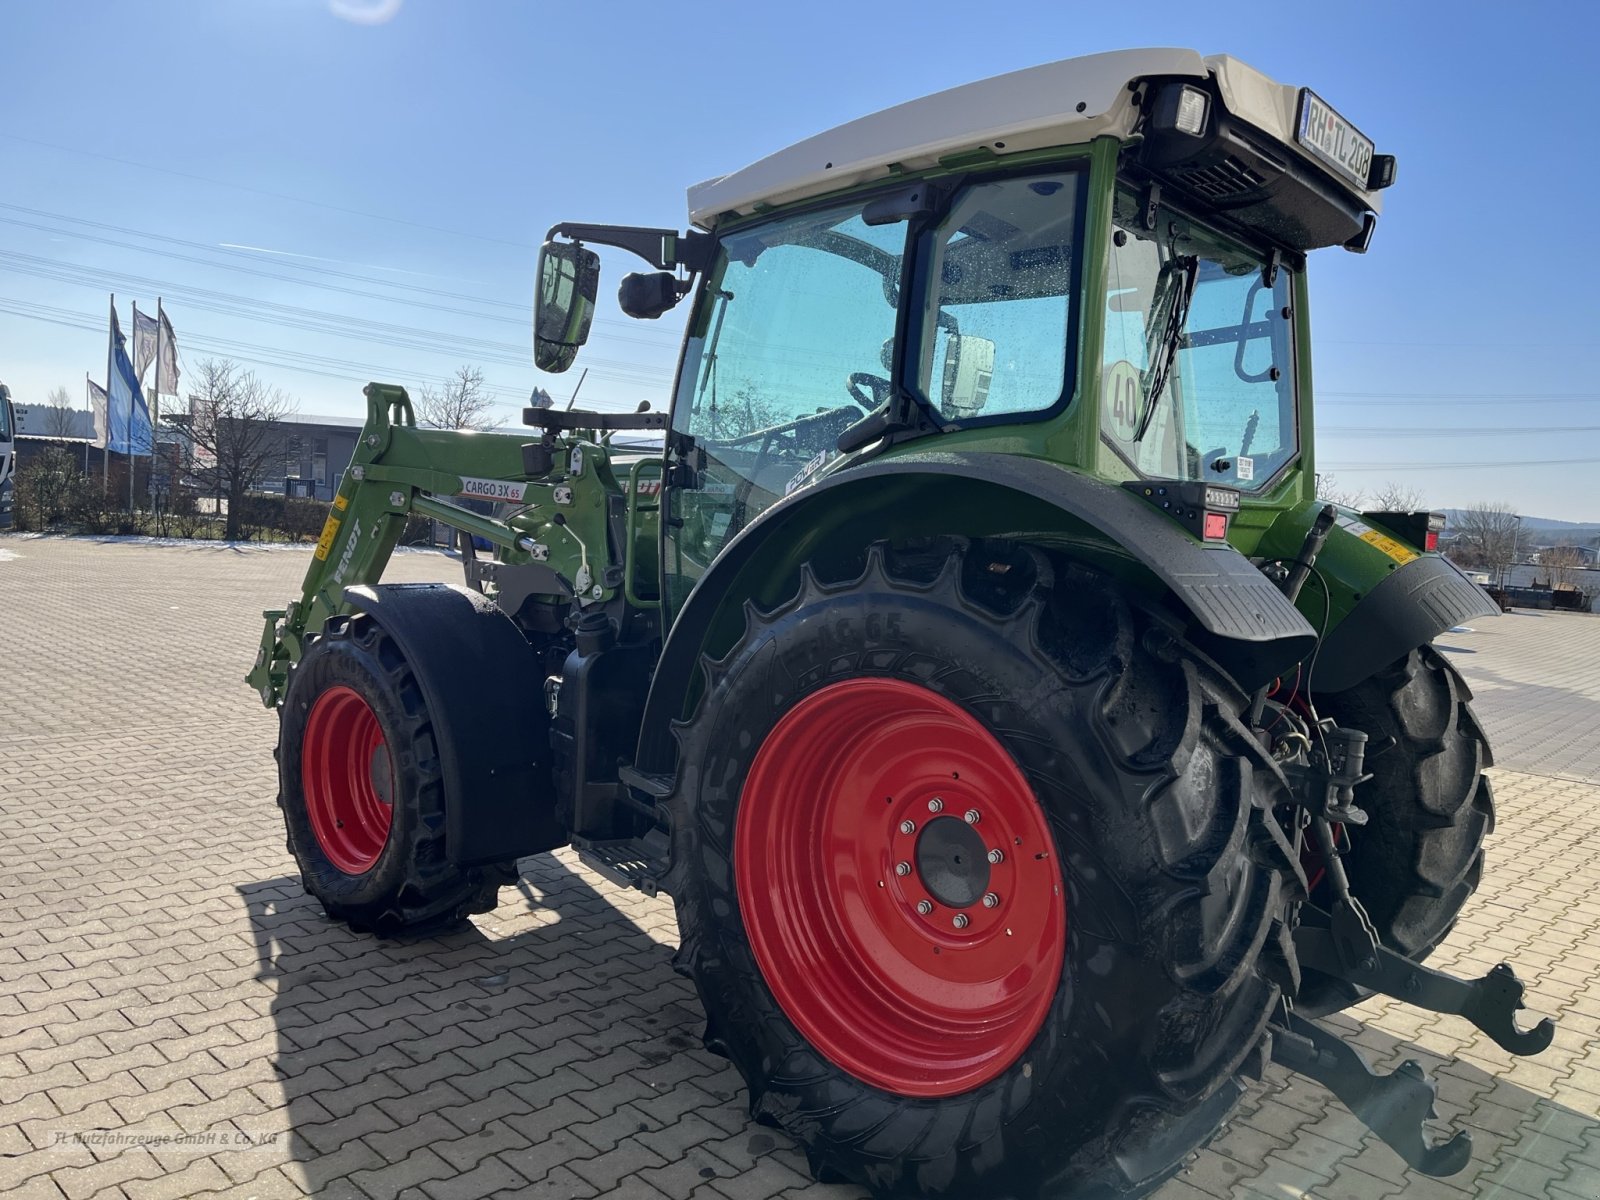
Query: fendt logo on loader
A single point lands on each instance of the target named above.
(351, 542)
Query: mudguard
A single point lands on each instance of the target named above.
(1239, 617)
(481, 683)
(1414, 604)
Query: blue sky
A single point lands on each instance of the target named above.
(287, 151)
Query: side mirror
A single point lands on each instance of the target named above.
(569, 278)
(968, 370)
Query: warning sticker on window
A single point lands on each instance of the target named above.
(1247, 467)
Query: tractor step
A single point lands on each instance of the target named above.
(628, 862)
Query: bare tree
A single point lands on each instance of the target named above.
(58, 415)
(462, 403)
(1398, 497)
(235, 427)
(1329, 489)
(1562, 563)
(1486, 536)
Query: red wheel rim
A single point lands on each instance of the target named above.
(348, 777)
(856, 812)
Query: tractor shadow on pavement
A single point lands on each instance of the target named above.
(546, 1048)
(550, 1050)
(1290, 1138)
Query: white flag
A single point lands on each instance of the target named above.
(144, 342)
(166, 359)
(97, 406)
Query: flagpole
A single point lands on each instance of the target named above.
(105, 477)
(155, 410)
(133, 461)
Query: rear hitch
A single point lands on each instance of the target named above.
(1392, 1106)
(1490, 1002)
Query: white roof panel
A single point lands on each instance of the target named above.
(1056, 104)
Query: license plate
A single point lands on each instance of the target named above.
(1334, 140)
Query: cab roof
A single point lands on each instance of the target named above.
(1057, 104)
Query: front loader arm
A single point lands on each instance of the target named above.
(397, 470)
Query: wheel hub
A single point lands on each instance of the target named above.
(348, 778)
(952, 862)
(898, 883)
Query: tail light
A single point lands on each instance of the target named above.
(1421, 529)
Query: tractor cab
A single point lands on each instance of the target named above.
(1099, 263)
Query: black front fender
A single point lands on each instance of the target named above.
(481, 683)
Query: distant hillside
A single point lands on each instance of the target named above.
(1546, 529)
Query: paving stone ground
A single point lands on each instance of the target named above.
(177, 1019)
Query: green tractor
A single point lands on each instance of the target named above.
(1030, 755)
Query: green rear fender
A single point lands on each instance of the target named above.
(1375, 595)
(1234, 613)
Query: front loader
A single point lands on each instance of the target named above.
(1030, 755)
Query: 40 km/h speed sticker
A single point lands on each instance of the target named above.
(1122, 385)
(493, 489)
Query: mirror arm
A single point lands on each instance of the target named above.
(663, 249)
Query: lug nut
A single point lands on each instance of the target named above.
(997, 856)
(924, 907)
(908, 826)
(973, 816)
(936, 805)
(902, 869)
(960, 921)
(990, 900)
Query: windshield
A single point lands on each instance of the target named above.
(791, 344)
(800, 323)
(5, 415)
(1198, 378)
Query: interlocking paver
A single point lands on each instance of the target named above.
(161, 969)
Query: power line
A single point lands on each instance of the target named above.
(1501, 431)
(345, 370)
(1460, 466)
(1457, 398)
(228, 251)
(128, 162)
(523, 308)
(313, 320)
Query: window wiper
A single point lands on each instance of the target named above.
(1182, 292)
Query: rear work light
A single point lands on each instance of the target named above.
(1180, 108)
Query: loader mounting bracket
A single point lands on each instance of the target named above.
(1490, 1002)
(1392, 1106)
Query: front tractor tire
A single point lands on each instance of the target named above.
(1429, 808)
(978, 878)
(362, 793)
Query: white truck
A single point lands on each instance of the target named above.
(8, 455)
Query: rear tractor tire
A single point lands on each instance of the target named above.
(1429, 808)
(361, 790)
(978, 878)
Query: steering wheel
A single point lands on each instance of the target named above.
(861, 382)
